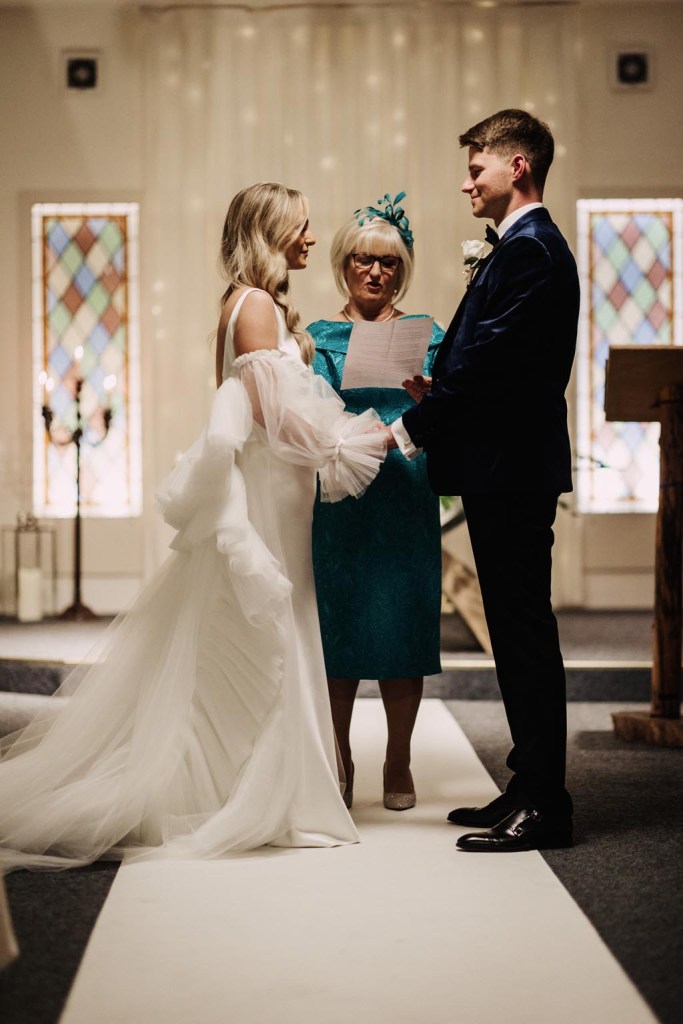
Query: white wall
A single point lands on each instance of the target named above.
(60, 145)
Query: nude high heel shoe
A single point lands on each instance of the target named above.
(398, 801)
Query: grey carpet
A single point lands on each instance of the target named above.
(31, 677)
(626, 869)
(592, 635)
(53, 915)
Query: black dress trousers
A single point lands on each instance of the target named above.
(512, 539)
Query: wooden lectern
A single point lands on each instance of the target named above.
(645, 383)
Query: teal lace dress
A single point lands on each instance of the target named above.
(377, 559)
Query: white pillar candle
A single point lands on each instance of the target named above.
(30, 599)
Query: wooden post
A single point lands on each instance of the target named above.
(666, 660)
(663, 724)
(460, 589)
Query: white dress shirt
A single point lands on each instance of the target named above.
(513, 217)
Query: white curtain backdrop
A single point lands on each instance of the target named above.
(345, 103)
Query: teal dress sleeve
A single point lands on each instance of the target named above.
(377, 559)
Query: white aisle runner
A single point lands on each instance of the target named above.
(401, 928)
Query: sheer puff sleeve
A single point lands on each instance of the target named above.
(204, 496)
(304, 422)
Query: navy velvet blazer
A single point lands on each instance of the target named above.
(496, 417)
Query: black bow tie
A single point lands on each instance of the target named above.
(491, 236)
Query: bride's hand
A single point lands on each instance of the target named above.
(388, 435)
(417, 386)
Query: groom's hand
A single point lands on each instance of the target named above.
(417, 386)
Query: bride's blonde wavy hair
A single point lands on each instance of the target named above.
(261, 223)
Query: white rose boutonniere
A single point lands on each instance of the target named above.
(473, 251)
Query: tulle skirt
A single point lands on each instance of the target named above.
(203, 726)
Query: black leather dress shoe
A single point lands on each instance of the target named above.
(521, 830)
(483, 817)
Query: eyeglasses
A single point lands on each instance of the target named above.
(365, 261)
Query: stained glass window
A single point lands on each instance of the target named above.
(631, 266)
(86, 350)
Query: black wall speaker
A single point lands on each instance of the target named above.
(81, 72)
(633, 68)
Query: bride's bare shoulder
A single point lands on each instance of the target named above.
(256, 325)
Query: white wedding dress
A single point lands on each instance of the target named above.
(204, 725)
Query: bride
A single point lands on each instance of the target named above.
(204, 727)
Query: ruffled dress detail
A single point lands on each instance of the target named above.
(203, 726)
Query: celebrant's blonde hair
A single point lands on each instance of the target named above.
(376, 237)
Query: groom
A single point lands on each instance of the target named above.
(493, 424)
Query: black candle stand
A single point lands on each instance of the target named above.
(77, 611)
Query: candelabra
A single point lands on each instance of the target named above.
(77, 611)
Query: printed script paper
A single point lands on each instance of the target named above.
(383, 355)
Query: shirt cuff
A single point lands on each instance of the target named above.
(404, 440)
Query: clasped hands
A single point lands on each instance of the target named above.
(417, 387)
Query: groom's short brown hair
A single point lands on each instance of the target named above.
(515, 131)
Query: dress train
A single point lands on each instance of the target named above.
(203, 727)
